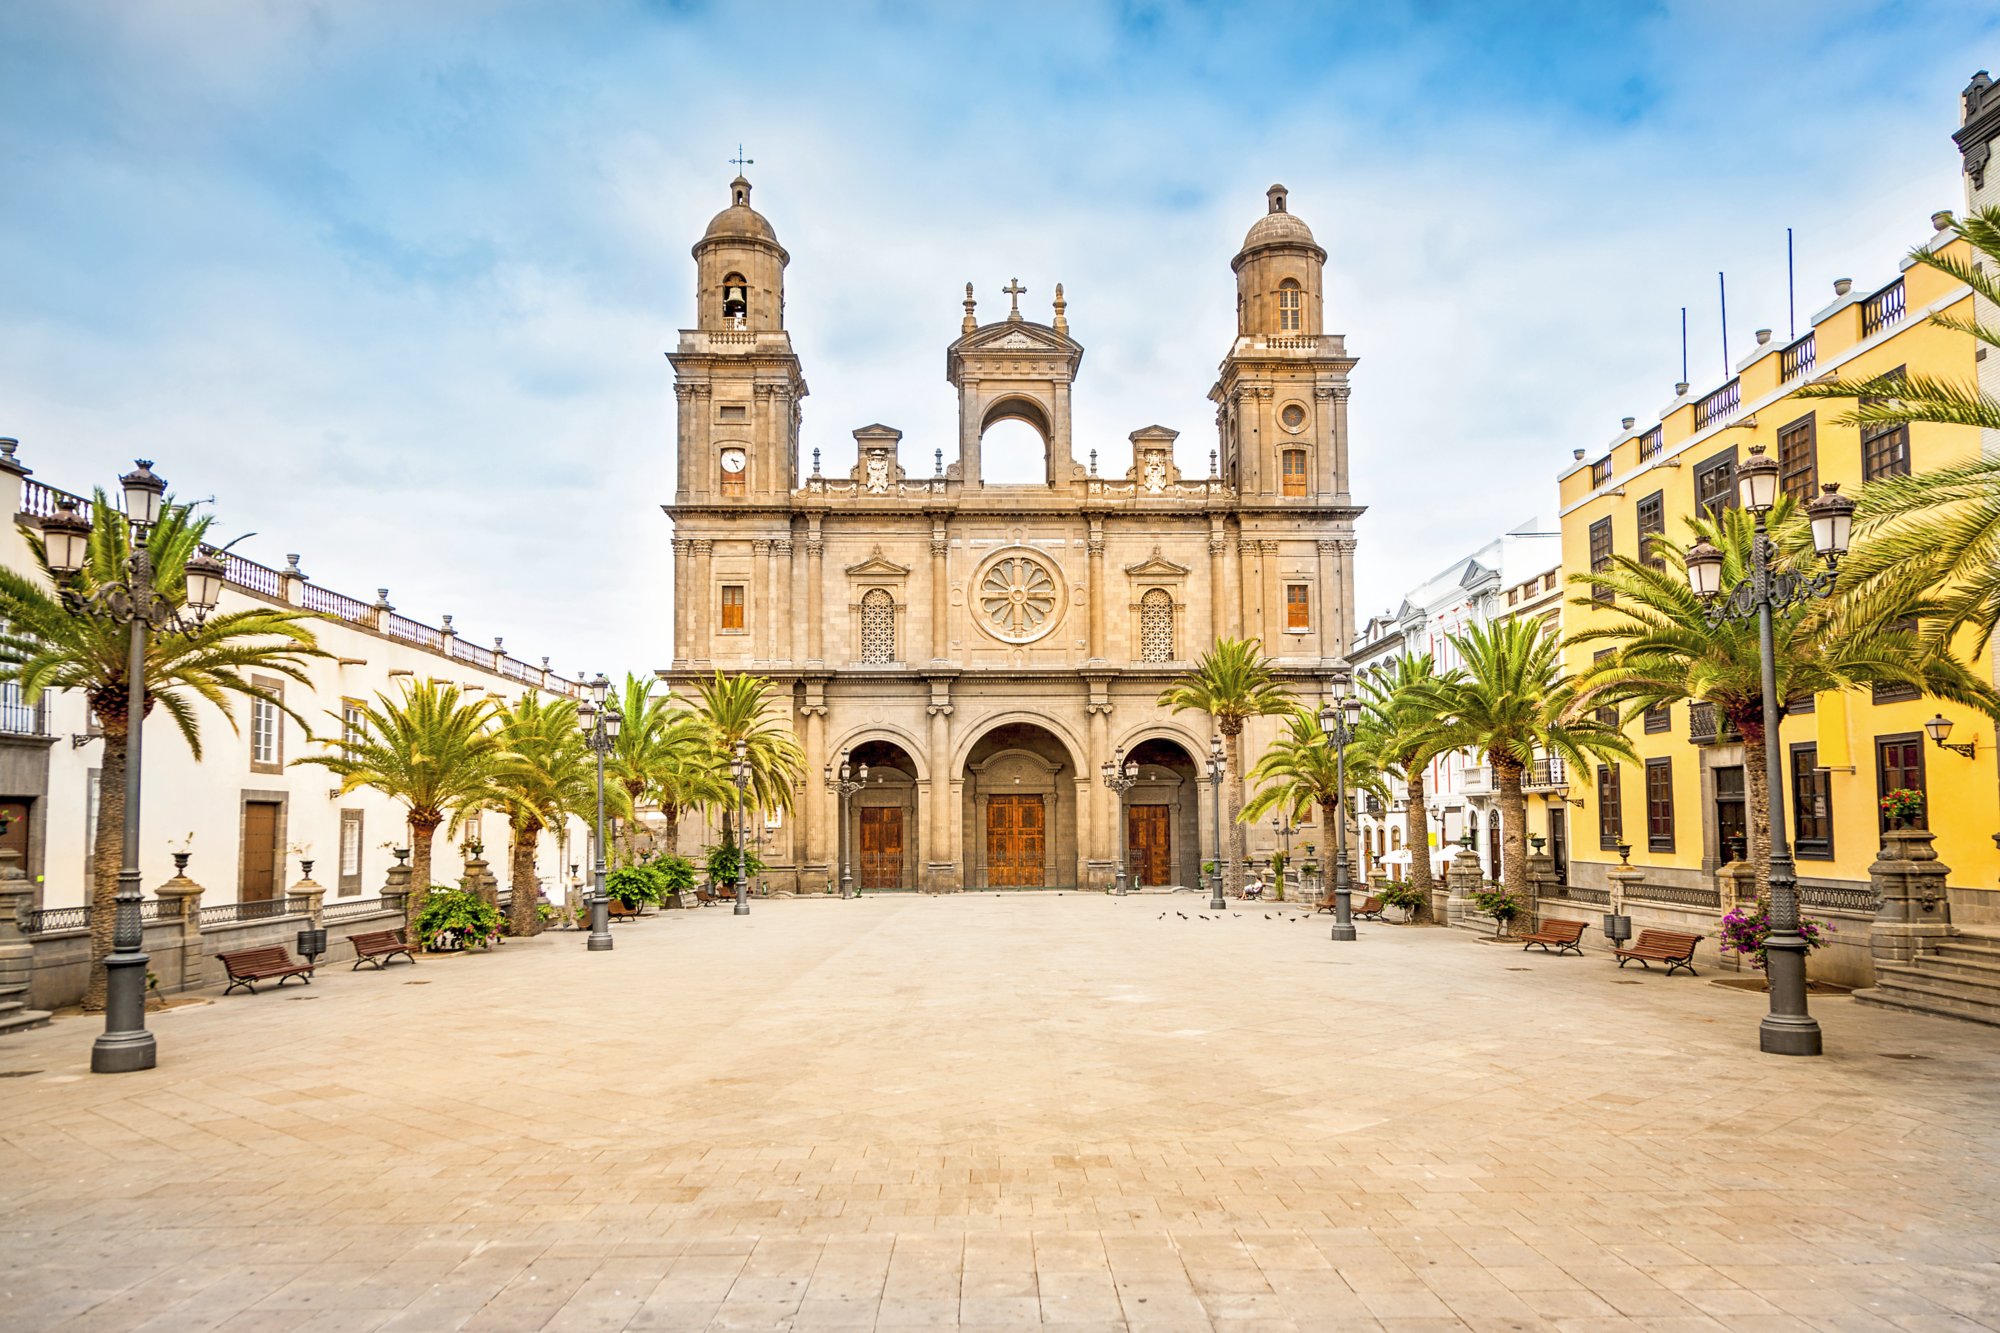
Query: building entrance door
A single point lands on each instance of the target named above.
(1149, 844)
(260, 851)
(1732, 825)
(1015, 841)
(1559, 845)
(882, 847)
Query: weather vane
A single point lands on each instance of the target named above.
(740, 161)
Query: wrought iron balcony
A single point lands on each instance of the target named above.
(1548, 773)
(1705, 727)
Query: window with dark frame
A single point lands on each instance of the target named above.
(1659, 719)
(1660, 805)
(1652, 524)
(1610, 817)
(1899, 765)
(1885, 449)
(1812, 813)
(1897, 692)
(1600, 556)
(732, 606)
(1715, 483)
(1608, 715)
(1798, 458)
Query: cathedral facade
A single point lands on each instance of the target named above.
(984, 649)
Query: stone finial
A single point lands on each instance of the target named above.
(292, 566)
(499, 645)
(1062, 320)
(1212, 473)
(1626, 423)
(1842, 286)
(815, 462)
(446, 626)
(1940, 221)
(1763, 337)
(939, 455)
(1680, 388)
(1093, 462)
(382, 600)
(969, 323)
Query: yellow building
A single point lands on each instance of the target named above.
(1682, 806)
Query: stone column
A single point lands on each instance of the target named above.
(306, 895)
(1624, 879)
(941, 871)
(795, 573)
(480, 880)
(180, 899)
(1462, 880)
(1735, 882)
(1097, 839)
(940, 604)
(1218, 590)
(1335, 478)
(816, 807)
(1239, 586)
(17, 954)
(761, 613)
(396, 888)
(1331, 644)
(1916, 912)
(1098, 592)
(815, 591)
(683, 598)
(700, 629)
(1541, 884)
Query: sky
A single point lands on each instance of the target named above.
(392, 283)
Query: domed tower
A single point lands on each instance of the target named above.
(1278, 274)
(737, 389)
(1281, 419)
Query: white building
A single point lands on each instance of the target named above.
(1516, 574)
(253, 816)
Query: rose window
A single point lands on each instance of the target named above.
(1018, 598)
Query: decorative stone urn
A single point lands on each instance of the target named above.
(1915, 912)
(180, 899)
(306, 895)
(1462, 880)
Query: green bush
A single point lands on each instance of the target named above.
(1499, 904)
(673, 874)
(1399, 893)
(722, 861)
(633, 885)
(457, 919)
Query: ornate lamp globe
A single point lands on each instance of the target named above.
(1939, 728)
(600, 686)
(144, 493)
(205, 574)
(66, 539)
(613, 721)
(1832, 516)
(1704, 569)
(1757, 481)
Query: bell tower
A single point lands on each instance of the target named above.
(736, 380)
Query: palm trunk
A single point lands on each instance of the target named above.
(1757, 798)
(106, 855)
(1329, 813)
(422, 829)
(1239, 842)
(1417, 838)
(524, 913)
(670, 827)
(1514, 835)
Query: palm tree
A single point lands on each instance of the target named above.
(46, 646)
(1300, 770)
(1232, 683)
(741, 710)
(1945, 522)
(1511, 702)
(432, 749)
(663, 756)
(1410, 736)
(545, 774)
(1666, 651)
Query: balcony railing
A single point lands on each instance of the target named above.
(1651, 443)
(249, 574)
(1882, 309)
(1546, 774)
(1715, 406)
(1675, 895)
(20, 718)
(40, 501)
(1600, 472)
(260, 909)
(338, 605)
(1477, 781)
(1797, 359)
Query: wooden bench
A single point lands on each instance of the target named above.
(709, 893)
(247, 967)
(1360, 907)
(620, 912)
(1560, 936)
(378, 947)
(1671, 947)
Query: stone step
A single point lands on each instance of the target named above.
(1902, 987)
(1973, 948)
(17, 1017)
(1968, 984)
(1974, 969)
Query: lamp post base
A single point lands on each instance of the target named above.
(600, 925)
(1216, 903)
(125, 1046)
(1343, 930)
(1788, 1035)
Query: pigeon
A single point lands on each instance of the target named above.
(1181, 915)
(1163, 916)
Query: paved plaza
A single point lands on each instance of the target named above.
(1000, 1112)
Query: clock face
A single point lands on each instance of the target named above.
(733, 460)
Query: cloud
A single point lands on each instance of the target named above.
(394, 283)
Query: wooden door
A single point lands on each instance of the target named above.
(15, 837)
(882, 847)
(1014, 842)
(1149, 844)
(260, 851)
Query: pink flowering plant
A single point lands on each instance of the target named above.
(1745, 929)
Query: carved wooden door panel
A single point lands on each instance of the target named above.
(1014, 842)
(1150, 842)
(882, 847)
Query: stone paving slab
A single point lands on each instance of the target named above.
(1003, 1112)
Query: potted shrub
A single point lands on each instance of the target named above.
(1401, 893)
(1499, 904)
(1902, 806)
(455, 919)
(1745, 929)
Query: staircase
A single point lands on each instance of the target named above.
(1960, 978)
(16, 1016)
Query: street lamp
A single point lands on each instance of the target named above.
(1218, 766)
(1281, 824)
(1338, 718)
(135, 601)
(1788, 1029)
(1939, 729)
(739, 773)
(601, 723)
(1119, 775)
(844, 786)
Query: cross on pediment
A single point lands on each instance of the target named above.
(1014, 290)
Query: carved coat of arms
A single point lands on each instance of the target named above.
(878, 474)
(1156, 473)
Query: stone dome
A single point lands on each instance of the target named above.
(1279, 226)
(739, 221)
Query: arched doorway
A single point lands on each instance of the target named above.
(1020, 818)
(1014, 445)
(1163, 817)
(882, 825)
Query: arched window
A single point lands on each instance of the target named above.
(1292, 472)
(1291, 307)
(735, 299)
(1156, 626)
(878, 627)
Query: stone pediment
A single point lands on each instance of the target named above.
(1157, 566)
(878, 566)
(1015, 335)
(1476, 574)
